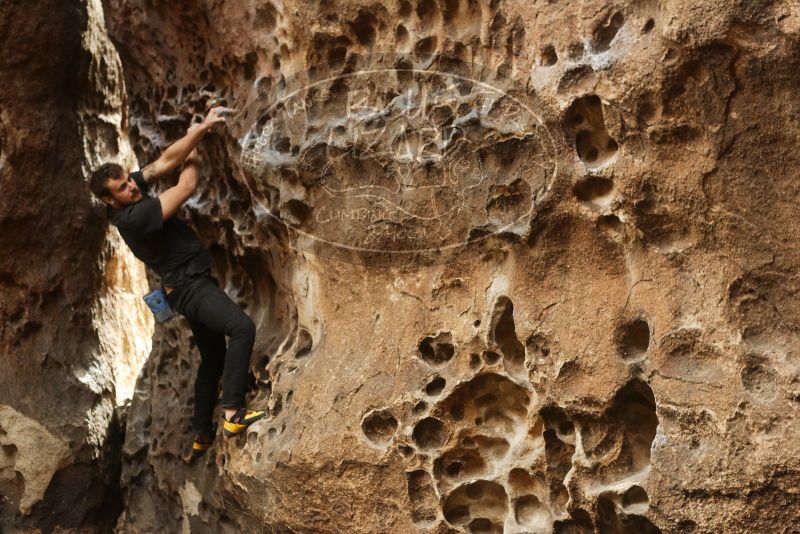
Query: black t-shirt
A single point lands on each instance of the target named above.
(170, 248)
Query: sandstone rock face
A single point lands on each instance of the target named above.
(62, 279)
(515, 266)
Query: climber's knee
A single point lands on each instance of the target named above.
(243, 327)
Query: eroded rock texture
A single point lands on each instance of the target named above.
(516, 266)
(600, 336)
(62, 279)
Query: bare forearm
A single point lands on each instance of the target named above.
(172, 198)
(175, 153)
(189, 176)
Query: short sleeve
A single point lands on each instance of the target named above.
(138, 177)
(140, 218)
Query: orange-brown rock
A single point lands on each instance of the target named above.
(515, 266)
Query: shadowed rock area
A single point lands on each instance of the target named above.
(515, 266)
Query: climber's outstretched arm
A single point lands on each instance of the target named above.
(174, 154)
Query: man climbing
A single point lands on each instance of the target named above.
(150, 227)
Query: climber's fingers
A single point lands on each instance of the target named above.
(218, 114)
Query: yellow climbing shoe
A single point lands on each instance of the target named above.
(201, 445)
(241, 420)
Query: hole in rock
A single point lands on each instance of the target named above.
(558, 454)
(522, 481)
(481, 499)
(586, 150)
(474, 491)
(283, 144)
(364, 27)
(599, 438)
(491, 357)
(493, 448)
(304, 344)
(9, 454)
(457, 515)
(401, 34)
(648, 26)
(634, 340)
(404, 9)
(406, 450)
(610, 224)
(606, 33)
(453, 469)
(574, 120)
(580, 523)
(633, 417)
(510, 198)
(757, 378)
(166, 108)
(504, 335)
(437, 350)
(430, 433)
(593, 189)
(635, 500)
(607, 519)
(593, 144)
(422, 496)
(337, 54)
(548, 56)
(577, 79)
(266, 17)
(249, 66)
(531, 513)
(474, 361)
(494, 402)
(277, 406)
(646, 110)
(427, 12)
(460, 464)
(566, 428)
(450, 10)
(435, 386)
(426, 46)
(482, 525)
(379, 427)
(537, 347)
(575, 51)
(419, 407)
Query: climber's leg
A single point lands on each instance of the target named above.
(204, 302)
(212, 358)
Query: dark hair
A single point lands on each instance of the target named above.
(101, 175)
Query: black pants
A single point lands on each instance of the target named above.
(212, 316)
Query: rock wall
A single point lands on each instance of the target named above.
(565, 305)
(62, 276)
(515, 266)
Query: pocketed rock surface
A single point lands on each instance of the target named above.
(64, 282)
(515, 266)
